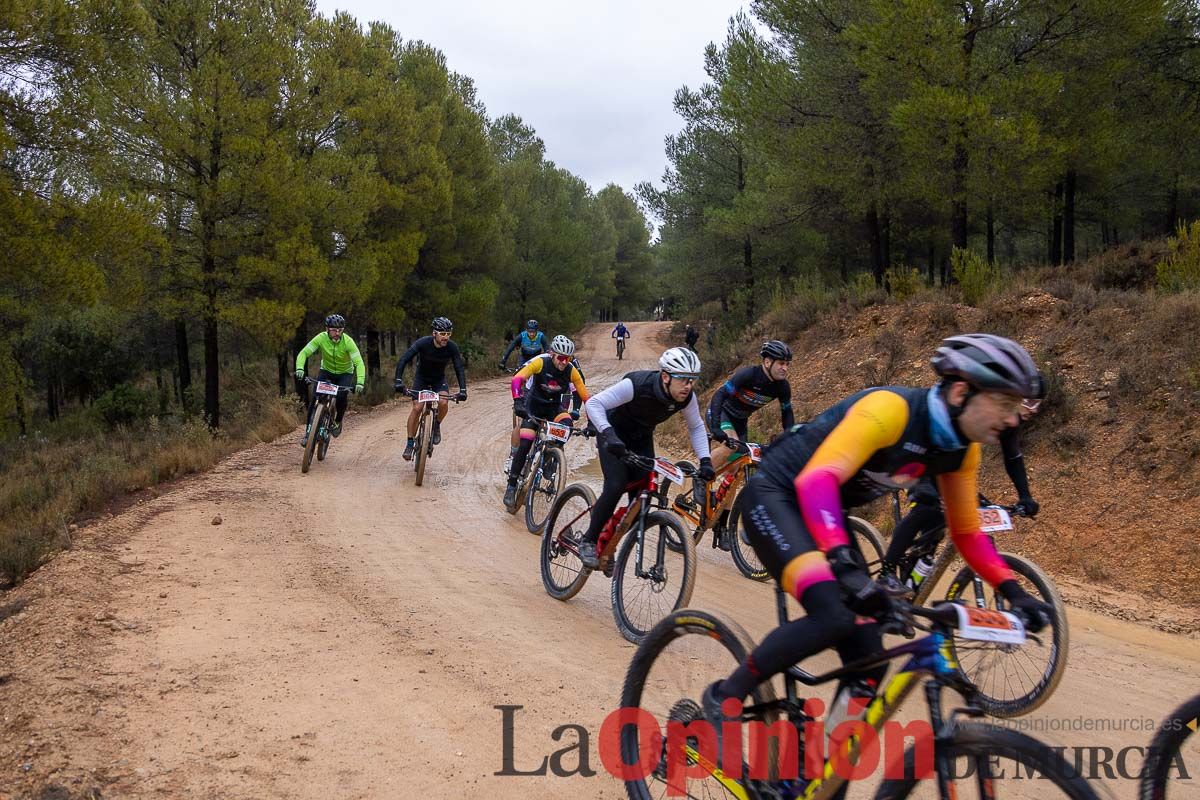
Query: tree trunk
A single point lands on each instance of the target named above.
(932, 264)
(1056, 226)
(51, 398)
(212, 369)
(958, 204)
(1069, 218)
(283, 373)
(19, 405)
(876, 240)
(373, 362)
(392, 337)
(748, 267)
(886, 249)
(1173, 210)
(181, 355)
(991, 235)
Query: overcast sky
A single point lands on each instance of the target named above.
(595, 80)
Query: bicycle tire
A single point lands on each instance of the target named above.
(323, 445)
(311, 445)
(683, 622)
(869, 542)
(422, 454)
(1165, 748)
(744, 557)
(979, 741)
(539, 493)
(564, 590)
(669, 527)
(1059, 635)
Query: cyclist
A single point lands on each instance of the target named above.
(746, 391)
(925, 512)
(572, 402)
(547, 381)
(625, 415)
(620, 331)
(532, 343)
(871, 442)
(690, 336)
(433, 354)
(339, 354)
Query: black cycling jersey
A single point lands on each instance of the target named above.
(432, 362)
(746, 391)
(636, 420)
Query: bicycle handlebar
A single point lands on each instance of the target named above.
(414, 393)
(648, 464)
(350, 389)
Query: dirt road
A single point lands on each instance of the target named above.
(346, 634)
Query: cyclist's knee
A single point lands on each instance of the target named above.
(823, 604)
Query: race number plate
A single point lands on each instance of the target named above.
(425, 396)
(557, 431)
(326, 388)
(986, 625)
(992, 519)
(755, 452)
(668, 470)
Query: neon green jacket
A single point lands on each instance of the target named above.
(335, 358)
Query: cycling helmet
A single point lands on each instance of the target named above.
(335, 321)
(680, 362)
(777, 350)
(442, 324)
(531, 325)
(563, 346)
(989, 363)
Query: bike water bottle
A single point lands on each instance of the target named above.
(610, 528)
(726, 482)
(920, 571)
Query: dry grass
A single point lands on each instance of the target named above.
(46, 484)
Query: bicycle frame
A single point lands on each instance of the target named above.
(930, 657)
(711, 512)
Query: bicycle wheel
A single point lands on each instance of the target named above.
(747, 561)
(563, 574)
(867, 537)
(323, 435)
(1011, 759)
(422, 449)
(1012, 680)
(665, 583)
(1166, 752)
(318, 417)
(542, 490)
(685, 652)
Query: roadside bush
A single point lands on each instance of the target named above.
(123, 405)
(977, 278)
(904, 282)
(1180, 270)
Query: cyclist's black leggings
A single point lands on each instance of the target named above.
(920, 518)
(529, 430)
(617, 475)
(343, 379)
(778, 534)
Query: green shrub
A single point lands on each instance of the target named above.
(123, 405)
(904, 282)
(1180, 270)
(975, 276)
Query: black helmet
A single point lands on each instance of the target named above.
(989, 363)
(531, 325)
(335, 321)
(777, 350)
(442, 324)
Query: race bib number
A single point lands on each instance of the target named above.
(557, 431)
(755, 452)
(986, 625)
(326, 388)
(668, 470)
(992, 519)
(425, 396)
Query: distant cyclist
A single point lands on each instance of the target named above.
(626, 415)
(543, 389)
(620, 332)
(433, 354)
(746, 391)
(532, 343)
(339, 354)
(690, 336)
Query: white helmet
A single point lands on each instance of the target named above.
(680, 362)
(562, 345)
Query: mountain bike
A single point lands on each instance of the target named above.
(1166, 753)
(322, 418)
(424, 440)
(620, 348)
(542, 477)
(775, 737)
(649, 578)
(731, 477)
(1011, 681)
